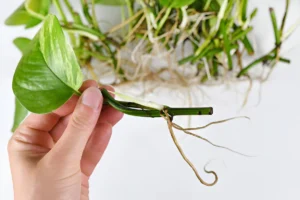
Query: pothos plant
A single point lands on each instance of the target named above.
(49, 72)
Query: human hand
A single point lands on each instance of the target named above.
(52, 156)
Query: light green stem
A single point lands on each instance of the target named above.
(33, 13)
(163, 20)
(60, 11)
(94, 16)
(70, 9)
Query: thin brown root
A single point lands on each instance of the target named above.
(259, 93)
(176, 126)
(136, 27)
(248, 91)
(167, 118)
(216, 122)
(270, 71)
(115, 28)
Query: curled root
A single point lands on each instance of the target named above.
(170, 126)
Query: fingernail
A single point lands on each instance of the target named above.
(92, 97)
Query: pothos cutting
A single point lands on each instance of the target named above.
(49, 72)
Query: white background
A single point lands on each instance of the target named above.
(141, 161)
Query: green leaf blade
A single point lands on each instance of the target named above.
(40, 83)
(22, 44)
(22, 16)
(20, 114)
(58, 54)
(19, 17)
(37, 88)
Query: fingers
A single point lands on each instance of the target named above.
(98, 142)
(95, 147)
(42, 122)
(69, 106)
(81, 124)
(45, 122)
(30, 142)
(108, 115)
(59, 128)
(88, 83)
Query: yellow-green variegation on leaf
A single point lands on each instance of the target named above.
(48, 73)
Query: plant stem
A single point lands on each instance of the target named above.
(284, 17)
(86, 29)
(33, 13)
(81, 32)
(275, 27)
(60, 11)
(226, 45)
(130, 12)
(94, 16)
(65, 20)
(267, 57)
(246, 42)
(243, 10)
(142, 111)
(85, 10)
(76, 16)
(163, 20)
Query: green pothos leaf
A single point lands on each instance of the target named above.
(48, 74)
(23, 14)
(22, 44)
(111, 2)
(20, 111)
(20, 114)
(175, 3)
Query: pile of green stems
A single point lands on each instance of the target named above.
(220, 39)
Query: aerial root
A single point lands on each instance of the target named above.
(176, 126)
(216, 122)
(248, 91)
(170, 126)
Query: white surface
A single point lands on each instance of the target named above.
(141, 161)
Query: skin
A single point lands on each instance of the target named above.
(52, 156)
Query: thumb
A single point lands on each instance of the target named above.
(71, 145)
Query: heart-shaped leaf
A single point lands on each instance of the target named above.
(22, 44)
(48, 74)
(20, 111)
(21, 16)
(175, 3)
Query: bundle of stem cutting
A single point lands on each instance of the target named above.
(216, 31)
